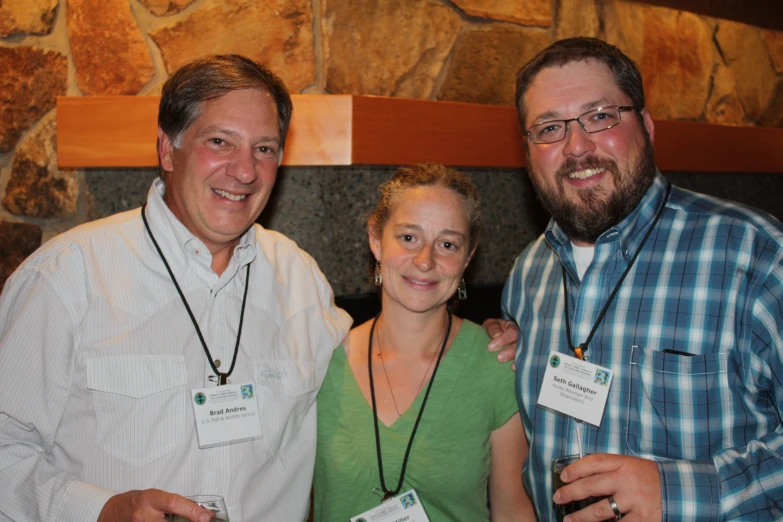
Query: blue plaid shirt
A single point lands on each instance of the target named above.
(708, 282)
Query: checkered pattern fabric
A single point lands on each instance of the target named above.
(708, 282)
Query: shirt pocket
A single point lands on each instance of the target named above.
(286, 392)
(675, 404)
(139, 404)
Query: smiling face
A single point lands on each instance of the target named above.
(589, 182)
(424, 248)
(219, 180)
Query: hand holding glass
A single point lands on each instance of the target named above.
(214, 503)
(561, 510)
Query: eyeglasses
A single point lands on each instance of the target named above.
(595, 120)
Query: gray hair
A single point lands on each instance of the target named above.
(209, 78)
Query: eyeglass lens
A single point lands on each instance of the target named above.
(595, 120)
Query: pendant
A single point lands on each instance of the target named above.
(384, 494)
(221, 379)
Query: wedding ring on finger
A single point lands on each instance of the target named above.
(612, 504)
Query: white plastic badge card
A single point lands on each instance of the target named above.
(575, 388)
(226, 414)
(405, 507)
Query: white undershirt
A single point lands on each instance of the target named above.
(583, 256)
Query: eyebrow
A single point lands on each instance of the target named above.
(418, 228)
(229, 132)
(555, 115)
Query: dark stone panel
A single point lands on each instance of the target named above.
(761, 191)
(324, 210)
(110, 191)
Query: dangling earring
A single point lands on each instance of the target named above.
(378, 275)
(462, 291)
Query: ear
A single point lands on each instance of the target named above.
(165, 151)
(648, 124)
(375, 242)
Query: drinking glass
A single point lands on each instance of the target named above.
(215, 503)
(561, 510)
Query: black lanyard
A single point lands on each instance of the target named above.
(582, 348)
(222, 377)
(387, 493)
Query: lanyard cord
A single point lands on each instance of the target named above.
(223, 377)
(387, 494)
(579, 350)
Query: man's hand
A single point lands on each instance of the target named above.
(634, 484)
(504, 339)
(151, 504)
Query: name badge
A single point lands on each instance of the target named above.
(575, 388)
(226, 414)
(405, 507)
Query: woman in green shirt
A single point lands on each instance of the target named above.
(386, 424)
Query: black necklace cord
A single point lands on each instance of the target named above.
(387, 494)
(579, 350)
(223, 377)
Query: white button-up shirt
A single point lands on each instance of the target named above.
(98, 355)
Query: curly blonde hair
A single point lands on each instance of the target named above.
(429, 175)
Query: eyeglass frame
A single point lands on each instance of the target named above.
(620, 110)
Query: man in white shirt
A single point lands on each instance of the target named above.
(107, 329)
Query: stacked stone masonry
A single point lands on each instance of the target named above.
(695, 68)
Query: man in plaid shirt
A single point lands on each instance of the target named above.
(694, 334)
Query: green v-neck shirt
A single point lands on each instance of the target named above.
(449, 464)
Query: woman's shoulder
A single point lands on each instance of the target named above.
(357, 339)
(472, 334)
(473, 340)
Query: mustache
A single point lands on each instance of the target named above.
(588, 162)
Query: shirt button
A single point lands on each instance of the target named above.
(217, 363)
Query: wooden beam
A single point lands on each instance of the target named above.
(120, 131)
(320, 131)
(704, 147)
(396, 131)
(107, 131)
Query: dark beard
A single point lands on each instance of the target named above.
(596, 212)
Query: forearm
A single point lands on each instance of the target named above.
(739, 483)
(34, 490)
(751, 479)
(509, 501)
(520, 511)
(37, 343)
(690, 491)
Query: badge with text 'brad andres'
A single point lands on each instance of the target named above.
(575, 388)
(226, 414)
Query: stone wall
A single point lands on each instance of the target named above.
(695, 68)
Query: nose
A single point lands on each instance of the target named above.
(577, 140)
(424, 259)
(243, 167)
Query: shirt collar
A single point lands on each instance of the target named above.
(630, 231)
(179, 245)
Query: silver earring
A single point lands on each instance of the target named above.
(378, 275)
(462, 290)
